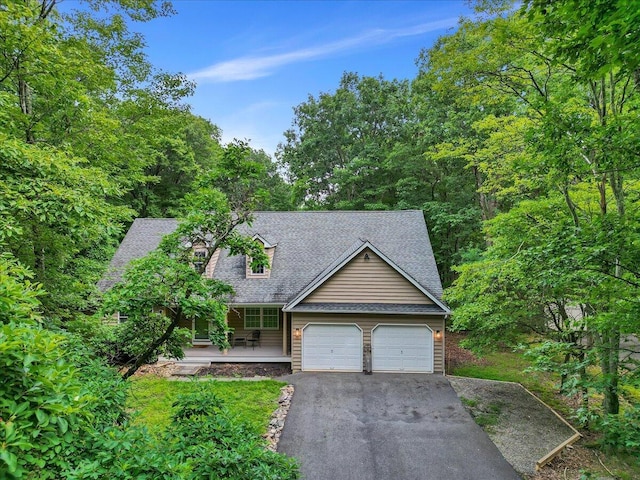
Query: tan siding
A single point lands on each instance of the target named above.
(186, 323)
(211, 266)
(368, 281)
(111, 319)
(268, 338)
(366, 323)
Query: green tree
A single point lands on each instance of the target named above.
(168, 280)
(90, 130)
(182, 147)
(53, 208)
(579, 148)
(337, 153)
(370, 145)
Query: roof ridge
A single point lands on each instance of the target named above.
(338, 211)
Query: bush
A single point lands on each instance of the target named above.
(42, 403)
(204, 435)
(621, 432)
(54, 398)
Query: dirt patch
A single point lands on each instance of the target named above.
(242, 370)
(522, 427)
(159, 369)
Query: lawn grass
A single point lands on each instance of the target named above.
(151, 398)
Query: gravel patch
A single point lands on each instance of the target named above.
(521, 426)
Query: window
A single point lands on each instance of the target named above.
(261, 318)
(252, 318)
(258, 270)
(122, 317)
(199, 257)
(270, 318)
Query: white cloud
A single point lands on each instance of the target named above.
(257, 122)
(251, 67)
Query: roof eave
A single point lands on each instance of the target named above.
(365, 312)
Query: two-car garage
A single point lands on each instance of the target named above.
(394, 347)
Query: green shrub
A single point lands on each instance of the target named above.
(205, 435)
(42, 403)
(621, 432)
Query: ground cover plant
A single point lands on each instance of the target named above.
(151, 398)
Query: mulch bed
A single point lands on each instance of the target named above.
(242, 370)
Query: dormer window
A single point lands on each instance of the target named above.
(261, 271)
(257, 270)
(199, 257)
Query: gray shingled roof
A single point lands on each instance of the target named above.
(308, 242)
(143, 236)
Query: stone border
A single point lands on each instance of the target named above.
(278, 417)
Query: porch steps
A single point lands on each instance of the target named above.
(187, 370)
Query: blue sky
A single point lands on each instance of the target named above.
(255, 60)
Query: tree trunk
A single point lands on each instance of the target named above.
(609, 360)
(142, 359)
(24, 94)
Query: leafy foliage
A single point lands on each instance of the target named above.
(19, 297)
(164, 290)
(54, 396)
(561, 262)
(217, 446)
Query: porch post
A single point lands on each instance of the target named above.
(284, 333)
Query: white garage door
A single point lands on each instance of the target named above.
(402, 348)
(332, 347)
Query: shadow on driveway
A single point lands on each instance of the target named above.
(344, 426)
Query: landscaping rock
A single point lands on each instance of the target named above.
(278, 418)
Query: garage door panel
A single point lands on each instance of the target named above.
(336, 347)
(402, 348)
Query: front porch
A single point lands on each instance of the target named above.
(237, 354)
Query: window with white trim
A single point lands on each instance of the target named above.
(257, 270)
(261, 318)
(122, 317)
(199, 256)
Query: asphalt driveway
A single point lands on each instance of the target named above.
(344, 426)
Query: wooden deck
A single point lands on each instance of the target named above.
(239, 354)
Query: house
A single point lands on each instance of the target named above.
(345, 290)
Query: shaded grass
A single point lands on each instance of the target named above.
(151, 400)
